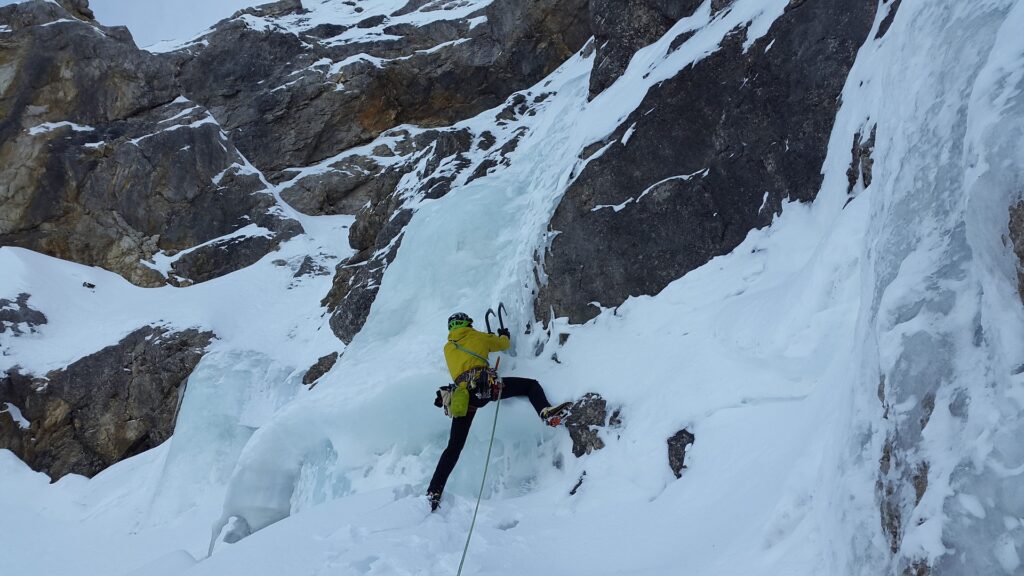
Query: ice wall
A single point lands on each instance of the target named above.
(228, 396)
(940, 324)
(921, 466)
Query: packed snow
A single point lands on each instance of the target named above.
(770, 355)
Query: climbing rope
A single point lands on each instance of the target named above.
(487, 462)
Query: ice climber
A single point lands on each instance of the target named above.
(466, 353)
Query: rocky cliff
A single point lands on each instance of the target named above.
(104, 162)
(106, 407)
(709, 155)
(158, 166)
(181, 166)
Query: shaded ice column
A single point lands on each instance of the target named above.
(985, 510)
(228, 396)
(935, 363)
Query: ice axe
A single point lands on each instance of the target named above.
(500, 315)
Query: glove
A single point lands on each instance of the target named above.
(504, 332)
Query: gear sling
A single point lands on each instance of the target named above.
(484, 382)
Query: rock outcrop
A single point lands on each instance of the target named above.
(318, 369)
(103, 408)
(1016, 239)
(677, 445)
(18, 317)
(293, 92)
(587, 416)
(713, 153)
(102, 161)
(438, 159)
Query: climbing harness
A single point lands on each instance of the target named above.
(483, 479)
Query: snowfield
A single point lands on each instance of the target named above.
(796, 361)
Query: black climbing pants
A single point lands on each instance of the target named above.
(460, 426)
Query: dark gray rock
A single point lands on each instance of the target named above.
(285, 110)
(1016, 238)
(862, 162)
(344, 189)
(586, 416)
(311, 267)
(103, 408)
(715, 151)
(79, 8)
(321, 367)
(16, 314)
(677, 445)
(579, 484)
(279, 8)
(621, 27)
(894, 6)
(102, 163)
(719, 5)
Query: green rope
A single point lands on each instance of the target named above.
(487, 462)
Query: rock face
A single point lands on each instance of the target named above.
(1016, 230)
(294, 93)
(587, 415)
(621, 28)
(18, 317)
(310, 92)
(713, 153)
(103, 408)
(102, 161)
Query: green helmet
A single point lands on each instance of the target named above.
(459, 320)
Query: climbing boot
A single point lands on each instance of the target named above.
(554, 415)
(435, 500)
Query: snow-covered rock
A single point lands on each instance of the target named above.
(841, 325)
(108, 406)
(103, 162)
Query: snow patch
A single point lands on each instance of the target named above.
(15, 413)
(47, 127)
(628, 134)
(207, 119)
(61, 21)
(181, 114)
(618, 207)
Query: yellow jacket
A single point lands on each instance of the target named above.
(477, 342)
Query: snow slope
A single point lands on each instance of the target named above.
(771, 355)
